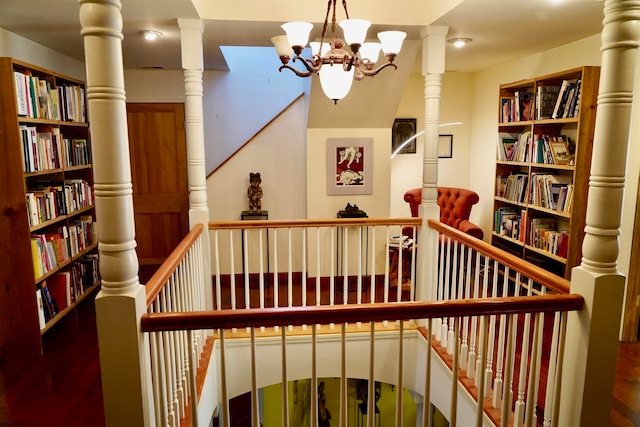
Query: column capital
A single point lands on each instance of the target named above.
(434, 40)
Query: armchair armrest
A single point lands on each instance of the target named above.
(470, 228)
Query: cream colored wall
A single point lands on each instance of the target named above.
(154, 85)
(15, 46)
(321, 205)
(455, 106)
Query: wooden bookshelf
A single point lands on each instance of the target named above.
(46, 191)
(530, 147)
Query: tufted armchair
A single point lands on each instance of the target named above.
(455, 207)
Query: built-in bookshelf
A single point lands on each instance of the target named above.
(544, 144)
(47, 231)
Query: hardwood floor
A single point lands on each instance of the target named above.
(63, 387)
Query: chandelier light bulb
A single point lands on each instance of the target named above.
(335, 82)
(355, 30)
(391, 41)
(298, 33)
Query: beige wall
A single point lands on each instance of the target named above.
(321, 205)
(455, 106)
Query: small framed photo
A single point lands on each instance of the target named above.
(560, 152)
(445, 146)
(403, 134)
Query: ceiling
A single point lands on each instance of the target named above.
(500, 30)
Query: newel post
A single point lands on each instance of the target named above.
(433, 55)
(124, 350)
(592, 333)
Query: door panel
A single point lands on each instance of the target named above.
(159, 175)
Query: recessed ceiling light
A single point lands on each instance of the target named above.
(150, 34)
(459, 42)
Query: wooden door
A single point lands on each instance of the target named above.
(159, 174)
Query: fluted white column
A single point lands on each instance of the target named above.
(433, 56)
(124, 351)
(192, 63)
(592, 334)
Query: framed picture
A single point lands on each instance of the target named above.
(349, 166)
(403, 130)
(445, 146)
(560, 152)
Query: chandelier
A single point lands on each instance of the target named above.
(336, 67)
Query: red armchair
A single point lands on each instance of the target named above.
(455, 207)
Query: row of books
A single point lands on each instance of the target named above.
(546, 237)
(512, 187)
(40, 99)
(542, 235)
(62, 289)
(568, 102)
(76, 152)
(42, 149)
(517, 108)
(555, 101)
(553, 192)
(49, 200)
(47, 149)
(551, 149)
(511, 223)
(49, 250)
(535, 148)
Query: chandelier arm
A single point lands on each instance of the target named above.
(371, 73)
(296, 71)
(312, 65)
(344, 4)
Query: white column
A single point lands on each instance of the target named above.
(124, 351)
(433, 56)
(592, 334)
(192, 63)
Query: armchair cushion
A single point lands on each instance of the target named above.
(455, 207)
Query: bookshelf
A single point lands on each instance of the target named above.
(49, 260)
(545, 140)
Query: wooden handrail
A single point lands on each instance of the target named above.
(301, 223)
(153, 322)
(157, 281)
(536, 273)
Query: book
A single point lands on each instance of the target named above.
(59, 285)
(525, 105)
(546, 98)
(41, 318)
(506, 145)
(50, 307)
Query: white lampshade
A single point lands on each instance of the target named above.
(355, 30)
(315, 48)
(283, 48)
(391, 41)
(370, 51)
(335, 82)
(297, 32)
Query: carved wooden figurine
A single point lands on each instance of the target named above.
(254, 192)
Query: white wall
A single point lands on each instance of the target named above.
(238, 103)
(15, 46)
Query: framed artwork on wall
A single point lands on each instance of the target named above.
(402, 131)
(445, 146)
(349, 166)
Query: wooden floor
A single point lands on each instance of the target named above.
(63, 387)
